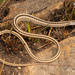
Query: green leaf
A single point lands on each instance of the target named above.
(2, 1)
(71, 13)
(10, 33)
(44, 28)
(28, 28)
(36, 40)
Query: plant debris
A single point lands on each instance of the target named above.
(11, 43)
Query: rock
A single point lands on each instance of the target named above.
(19, 68)
(42, 8)
(64, 65)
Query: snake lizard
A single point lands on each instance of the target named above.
(30, 18)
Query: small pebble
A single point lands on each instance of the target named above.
(19, 68)
(19, 74)
(26, 55)
(73, 70)
(19, 59)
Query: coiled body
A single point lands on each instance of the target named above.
(30, 18)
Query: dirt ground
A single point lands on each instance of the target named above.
(18, 54)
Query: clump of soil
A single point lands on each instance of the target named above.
(12, 49)
(11, 43)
